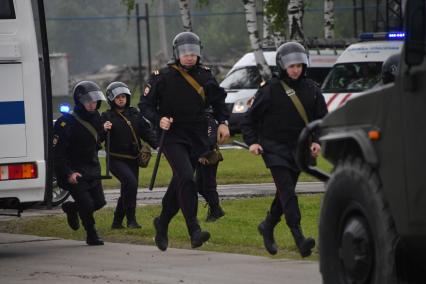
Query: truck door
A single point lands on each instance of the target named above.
(413, 112)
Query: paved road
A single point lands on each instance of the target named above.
(30, 259)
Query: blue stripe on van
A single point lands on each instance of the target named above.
(12, 112)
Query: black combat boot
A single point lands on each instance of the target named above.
(214, 212)
(93, 238)
(117, 222)
(266, 229)
(305, 245)
(131, 218)
(70, 208)
(198, 237)
(161, 239)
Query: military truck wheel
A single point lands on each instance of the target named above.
(356, 233)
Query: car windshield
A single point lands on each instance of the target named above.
(243, 78)
(352, 77)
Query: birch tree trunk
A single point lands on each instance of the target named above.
(328, 18)
(162, 32)
(295, 10)
(185, 15)
(251, 22)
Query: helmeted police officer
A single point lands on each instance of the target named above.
(175, 98)
(271, 128)
(390, 68)
(126, 127)
(76, 142)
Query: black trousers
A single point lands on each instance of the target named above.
(285, 201)
(182, 190)
(89, 197)
(206, 183)
(127, 172)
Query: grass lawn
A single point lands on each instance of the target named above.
(236, 232)
(239, 166)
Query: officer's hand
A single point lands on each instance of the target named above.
(107, 125)
(255, 149)
(165, 122)
(315, 149)
(72, 179)
(222, 133)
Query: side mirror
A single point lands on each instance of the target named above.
(415, 45)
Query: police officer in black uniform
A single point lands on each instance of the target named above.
(126, 127)
(173, 103)
(206, 174)
(272, 126)
(76, 141)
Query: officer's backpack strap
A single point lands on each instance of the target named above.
(86, 125)
(191, 81)
(297, 103)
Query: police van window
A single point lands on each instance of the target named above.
(244, 78)
(318, 74)
(352, 77)
(7, 11)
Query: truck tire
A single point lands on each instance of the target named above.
(357, 236)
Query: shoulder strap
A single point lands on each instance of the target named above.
(86, 125)
(191, 81)
(297, 103)
(131, 129)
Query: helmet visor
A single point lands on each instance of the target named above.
(293, 58)
(118, 91)
(188, 49)
(93, 96)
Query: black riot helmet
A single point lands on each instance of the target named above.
(186, 43)
(87, 91)
(291, 53)
(117, 88)
(390, 68)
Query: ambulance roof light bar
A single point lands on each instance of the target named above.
(382, 36)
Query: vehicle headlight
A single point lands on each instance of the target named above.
(240, 106)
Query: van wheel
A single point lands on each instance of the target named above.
(59, 194)
(357, 235)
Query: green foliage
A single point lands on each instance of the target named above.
(277, 10)
(130, 4)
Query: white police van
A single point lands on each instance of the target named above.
(358, 69)
(243, 80)
(25, 105)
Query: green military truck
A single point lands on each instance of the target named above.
(373, 215)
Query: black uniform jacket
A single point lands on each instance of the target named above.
(169, 94)
(75, 148)
(122, 140)
(274, 122)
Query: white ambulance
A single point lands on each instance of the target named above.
(25, 105)
(243, 80)
(358, 69)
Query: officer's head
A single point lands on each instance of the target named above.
(187, 49)
(292, 60)
(390, 68)
(89, 95)
(118, 95)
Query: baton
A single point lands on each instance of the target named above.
(157, 160)
(241, 144)
(107, 158)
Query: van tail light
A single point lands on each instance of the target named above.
(18, 171)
